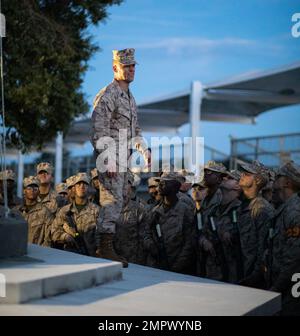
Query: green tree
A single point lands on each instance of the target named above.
(46, 54)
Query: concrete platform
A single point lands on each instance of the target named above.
(150, 292)
(45, 272)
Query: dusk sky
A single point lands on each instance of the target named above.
(177, 42)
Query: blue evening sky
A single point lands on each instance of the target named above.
(180, 41)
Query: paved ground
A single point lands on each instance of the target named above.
(147, 291)
(45, 272)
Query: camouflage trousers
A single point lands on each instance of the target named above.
(112, 191)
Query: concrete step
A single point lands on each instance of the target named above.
(45, 272)
(151, 292)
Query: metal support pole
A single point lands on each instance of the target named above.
(20, 174)
(58, 157)
(231, 161)
(195, 115)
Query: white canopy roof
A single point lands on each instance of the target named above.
(237, 100)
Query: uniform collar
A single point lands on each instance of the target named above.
(73, 208)
(233, 204)
(48, 197)
(121, 92)
(36, 207)
(214, 200)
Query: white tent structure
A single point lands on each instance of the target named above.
(241, 100)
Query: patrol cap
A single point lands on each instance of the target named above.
(291, 170)
(7, 175)
(172, 176)
(30, 180)
(153, 182)
(256, 168)
(70, 181)
(44, 166)
(188, 175)
(234, 174)
(81, 177)
(216, 167)
(166, 168)
(124, 56)
(61, 187)
(94, 173)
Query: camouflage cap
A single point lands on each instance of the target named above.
(172, 176)
(125, 56)
(30, 180)
(81, 177)
(166, 168)
(61, 187)
(256, 168)
(153, 182)
(7, 175)
(44, 166)
(94, 173)
(291, 170)
(216, 167)
(234, 174)
(70, 181)
(188, 175)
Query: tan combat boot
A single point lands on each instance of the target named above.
(107, 251)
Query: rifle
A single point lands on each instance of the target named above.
(201, 255)
(71, 229)
(269, 256)
(237, 247)
(220, 255)
(162, 254)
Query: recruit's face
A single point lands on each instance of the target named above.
(31, 192)
(152, 190)
(168, 187)
(247, 180)
(211, 178)
(81, 189)
(230, 190)
(96, 183)
(186, 186)
(44, 177)
(198, 193)
(231, 184)
(124, 72)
